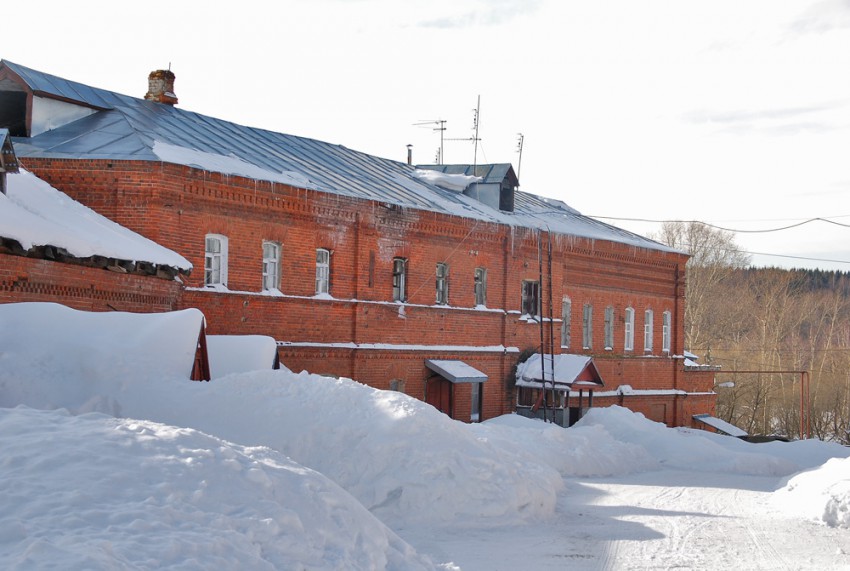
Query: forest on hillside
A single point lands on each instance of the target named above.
(764, 327)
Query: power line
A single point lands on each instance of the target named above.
(737, 231)
(797, 257)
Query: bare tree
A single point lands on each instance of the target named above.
(714, 259)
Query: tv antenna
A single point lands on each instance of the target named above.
(520, 140)
(475, 138)
(441, 127)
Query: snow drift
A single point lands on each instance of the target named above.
(95, 492)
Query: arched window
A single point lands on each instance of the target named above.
(587, 327)
(566, 318)
(480, 286)
(666, 331)
(271, 266)
(215, 260)
(442, 284)
(647, 330)
(323, 271)
(399, 279)
(609, 327)
(629, 322)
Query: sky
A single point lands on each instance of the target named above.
(732, 113)
(111, 461)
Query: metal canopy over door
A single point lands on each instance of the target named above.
(439, 388)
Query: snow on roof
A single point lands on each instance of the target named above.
(720, 424)
(456, 371)
(33, 213)
(229, 164)
(230, 354)
(567, 368)
(458, 182)
(130, 128)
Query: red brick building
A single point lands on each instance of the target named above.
(428, 281)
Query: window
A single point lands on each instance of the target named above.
(476, 402)
(215, 260)
(442, 283)
(480, 286)
(530, 298)
(271, 266)
(647, 331)
(323, 271)
(609, 327)
(629, 344)
(587, 327)
(397, 385)
(566, 317)
(665, 331)
(399, 279)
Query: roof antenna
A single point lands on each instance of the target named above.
(520, 141)
(476, 139)
(441, 128)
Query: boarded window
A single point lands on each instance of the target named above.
(587, 327)
(480, 286)
(609, 327)
(442, 283)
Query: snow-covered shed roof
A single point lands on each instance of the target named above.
(566, 370)
(720, 425)
(130, 128)
(33, 213)
(456, 371)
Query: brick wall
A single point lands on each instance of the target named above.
(178, 206)
(90, 289)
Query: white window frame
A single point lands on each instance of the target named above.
(271, 265)
(442, 284)
(323, 271)
(215, 260)
(629, 320)
(666, 320)
(648, 317)
(480, 287)
(609, 328)
(400, 280)
(530, 294)
(587, 326)
(566, 318)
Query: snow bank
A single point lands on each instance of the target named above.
(821, 494)
(240, 353)
(52, 356)
(35, 214)
(94, 492)
(688, 449)
(398, 456)
(579, 451)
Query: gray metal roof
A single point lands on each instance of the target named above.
(130, 128)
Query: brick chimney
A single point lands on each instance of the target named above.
(161, 87)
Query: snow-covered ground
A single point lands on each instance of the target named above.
(111, 459)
